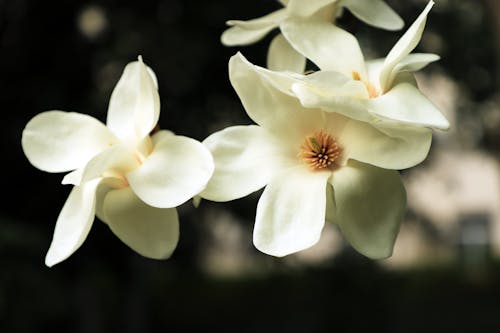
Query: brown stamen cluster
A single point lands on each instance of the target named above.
(319, 151)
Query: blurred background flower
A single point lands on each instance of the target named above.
(445, 271)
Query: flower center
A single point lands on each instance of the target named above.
(372, 91)
(319, 151)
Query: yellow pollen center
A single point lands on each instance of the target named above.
(320, 151)
(372, 91)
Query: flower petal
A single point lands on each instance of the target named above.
(151, 232)
(403, 47)
(58, 141)
(291, 212)
(370, 205)
(177, 169)
(247, 32)
(246, 157)
(374, 12)
(386, 145)
(406, 104)
(74, 222)
(306, 8)
(261, 93)
(328, 46)
(333, 92)
(134, 107)
(283, 57)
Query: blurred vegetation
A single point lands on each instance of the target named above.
(49, 62)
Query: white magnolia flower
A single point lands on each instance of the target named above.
(127, 176)
(382, 89)
(315, 165)
(281, 55)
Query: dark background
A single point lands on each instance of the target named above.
(47, 62)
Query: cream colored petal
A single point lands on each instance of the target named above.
(248, 32)
(370, 205)
(151, 232)
(283, 57)
(246, 157)
(306, 8)
(268, 106)
(134, 107)
(374, 12)
(178, 168)
(114, 162)
(403, 47)
(74, 223)
(406, 104)
(329, 47)
(57, 141)
(389, 146)
(415, 62)
(291, 212)
(333, 92)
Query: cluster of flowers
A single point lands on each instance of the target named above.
(326, 145)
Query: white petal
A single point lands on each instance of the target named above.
(333, 92)
(403, 47)
(177, 169)
(415, 62)
(283, 57)
(134, 107)
(308, 7)
(328, 46)
(247, 32)
(151, 232)
(291, 212)
(245, 159)
(266, 104)
(74, 222)
(406, 104)
(374, 12)
(114, 162)
(389, 146)
(370, 205)
(57, 141)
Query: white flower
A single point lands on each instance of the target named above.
(382, 89)
(315, 165)
(281, 55)
(127, 176)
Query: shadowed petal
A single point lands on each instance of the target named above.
(151, 232)
(370, 205)
(283, 57)
(374, 12)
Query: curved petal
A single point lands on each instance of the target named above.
(291, 212)
(134, 106)
(403, 47)
(178, 168)
(245, 157)
(268, 105)
(374, 12)
(151, 232)
(370, 205)
(328, 46)
(386, 145)
(58, 141)
(74, 222)
(247, 32)
(333, 92)
(406, 104)
(283, 57)
(306, 8)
